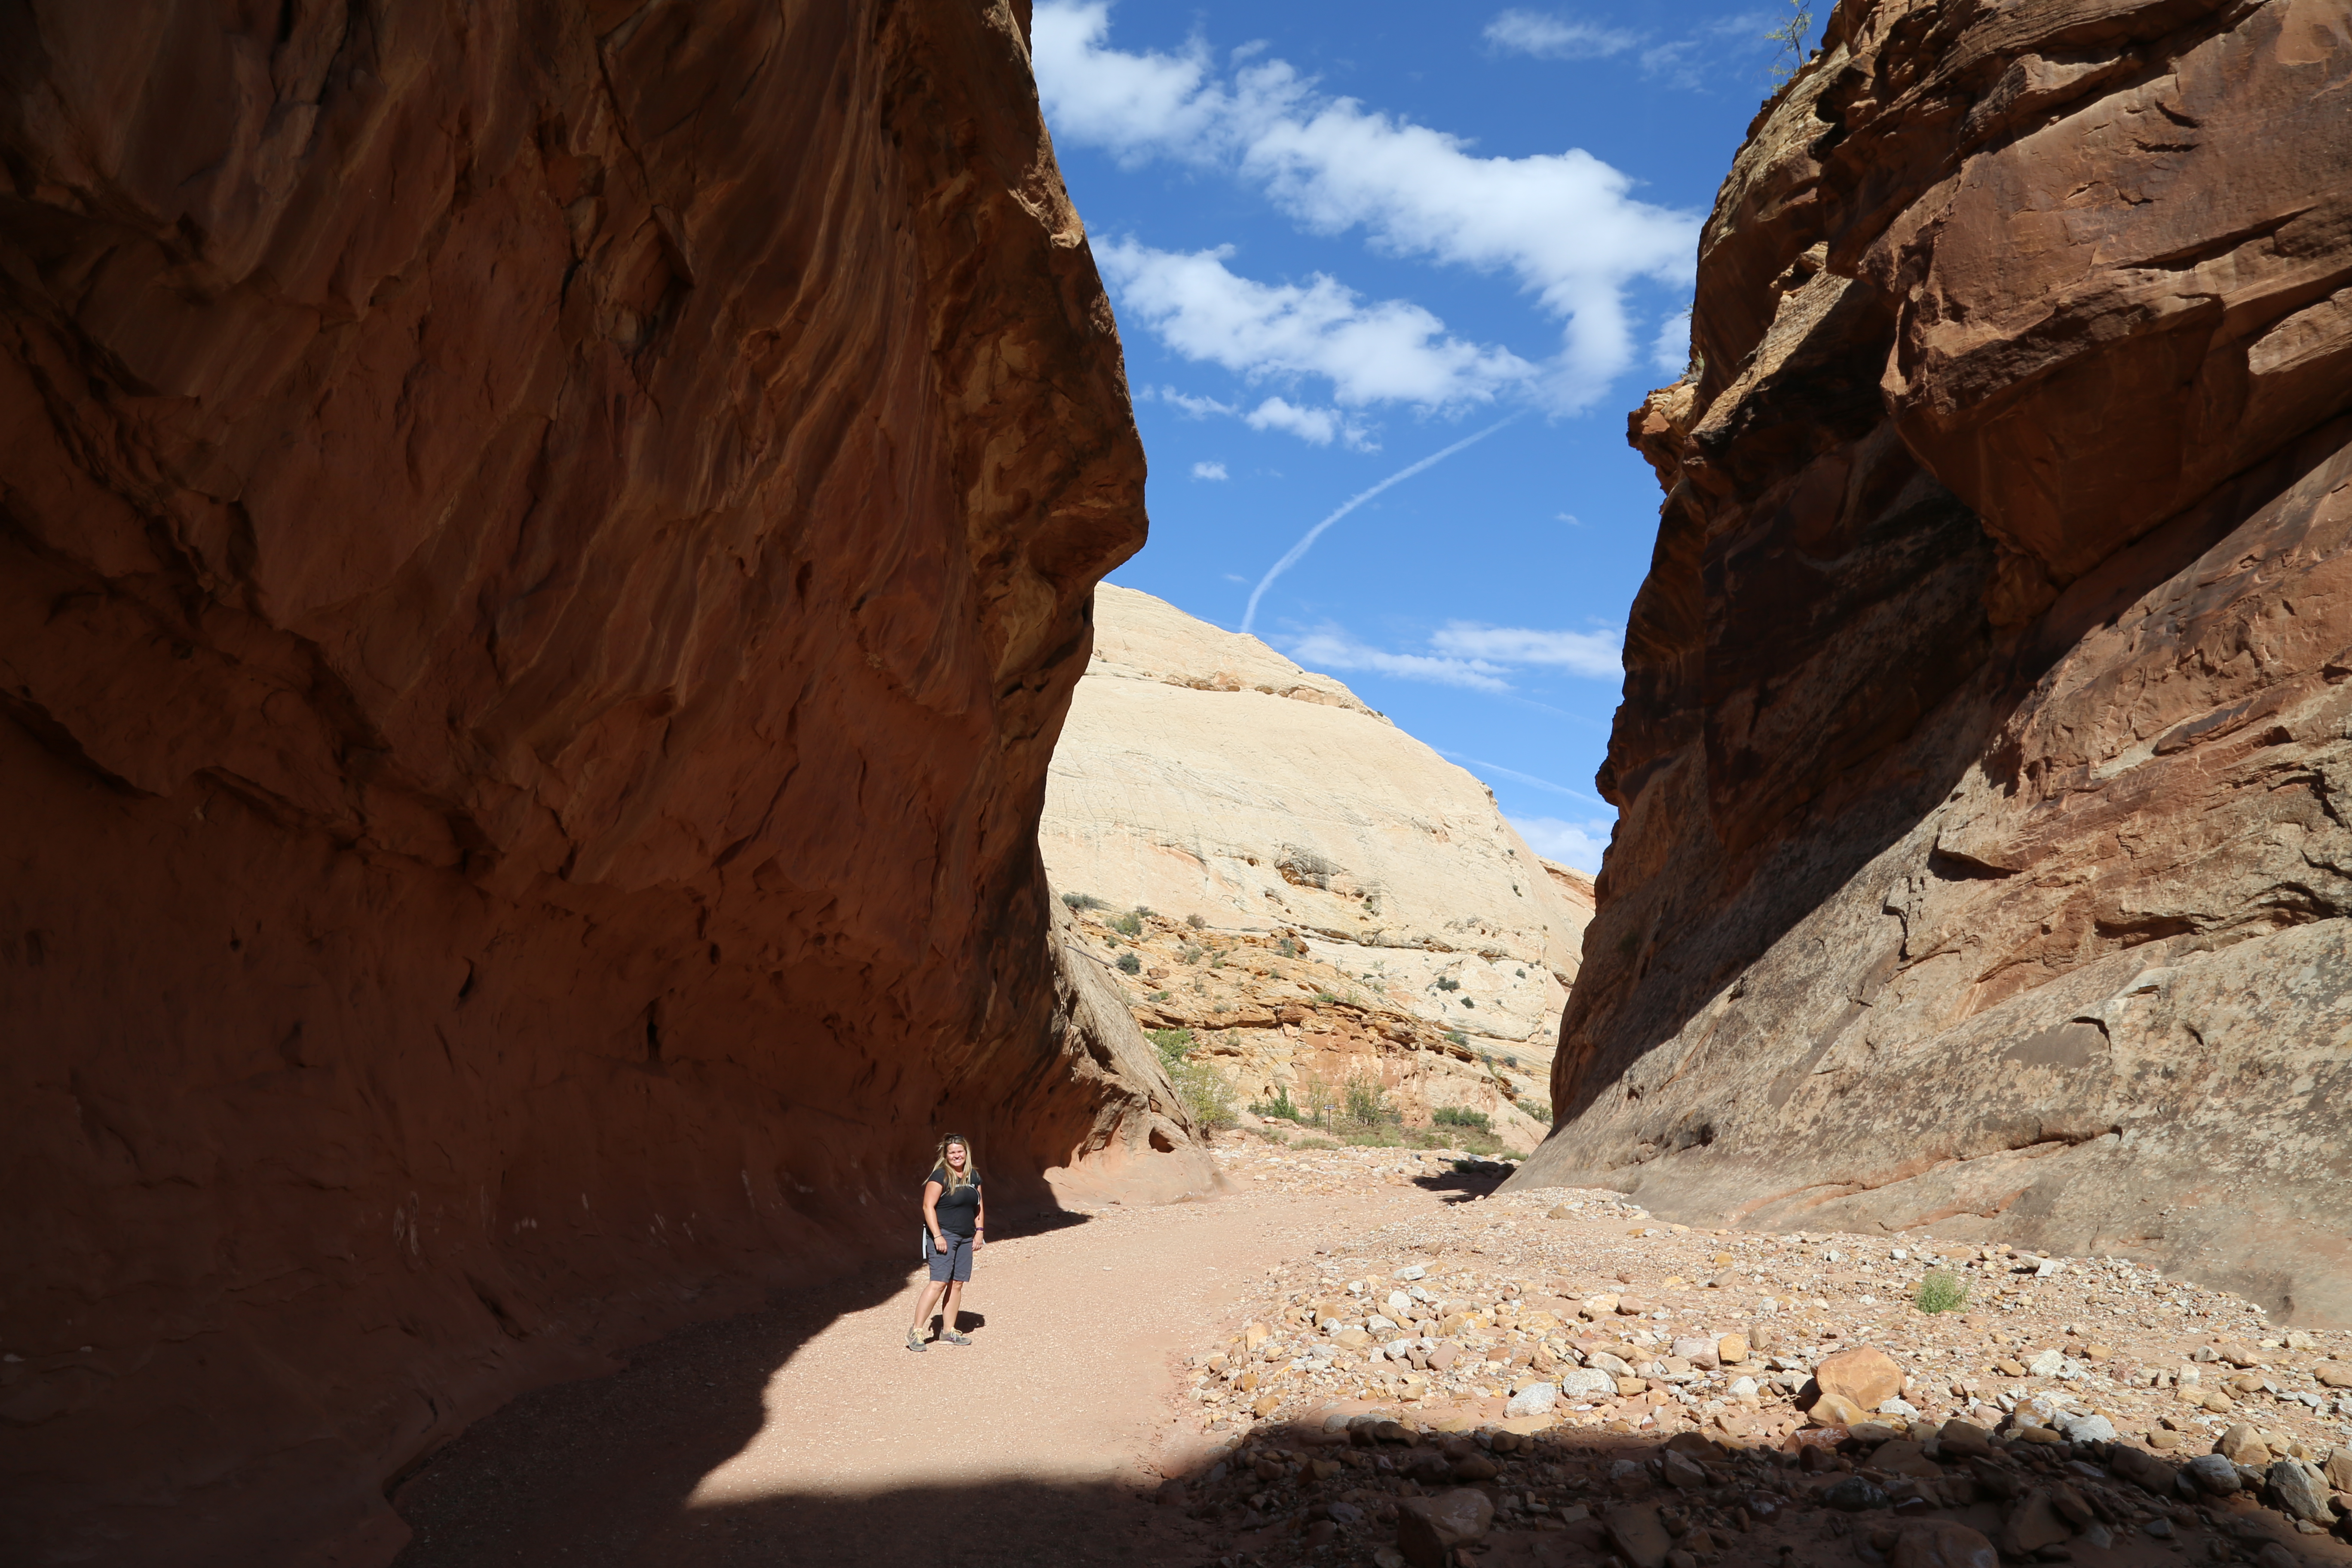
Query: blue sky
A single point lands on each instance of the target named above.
(1345, 239)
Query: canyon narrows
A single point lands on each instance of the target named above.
(547, 550)
(1983, 760)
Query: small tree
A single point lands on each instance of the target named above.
(1130, 964)
(1790, 36)
(1366, 1101)
(1127, 924)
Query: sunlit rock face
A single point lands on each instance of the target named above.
(546, 550)
(1983, 859)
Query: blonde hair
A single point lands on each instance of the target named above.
(955, 1179)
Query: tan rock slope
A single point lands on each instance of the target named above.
(1265, 814)
(544, 555)
(1983, 859)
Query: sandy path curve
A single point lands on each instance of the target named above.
(811, 1434)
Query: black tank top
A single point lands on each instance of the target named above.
(958, 1207)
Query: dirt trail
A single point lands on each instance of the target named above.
(811, 1434)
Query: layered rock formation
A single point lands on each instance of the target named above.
(545, 551)
(1371, 897)
(1983, 760)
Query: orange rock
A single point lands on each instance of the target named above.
(1865, 1375)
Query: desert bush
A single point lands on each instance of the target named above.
(1127, 924)
(1173, 1045)
(1191, 954)
(1941, 1291)
(1130, 964)
(1461, 1116)
(1539, 1110)
(1287, 948)
(1281, 1105)
(1083, 901)
(1196, 922)
(1364, 1102)
(1207, 1098)
(1325, 998)
(1457, 1037)
(1448, 983)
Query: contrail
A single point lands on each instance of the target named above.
(1291, 558)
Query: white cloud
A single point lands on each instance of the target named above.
(1551, 38)
(1331, 646)
(1195, 407)
(1596, 653)
(1672, 352)
(1317, 425)
(1210, 471)
(1389, 352)
(1564, 225)
(1577, 844)
(1464, 653)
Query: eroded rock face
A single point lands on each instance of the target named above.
(1983, 859)
(1325, 893)
(545, 553)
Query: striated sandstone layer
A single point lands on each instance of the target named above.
(542, 555)
(1207, 779)
(1983, 863)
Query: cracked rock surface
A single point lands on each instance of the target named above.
(1983, 863)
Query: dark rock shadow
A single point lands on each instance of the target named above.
(599, 1471)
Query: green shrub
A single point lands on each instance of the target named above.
(1127, 924)
(1280, 1105)
(1173, 1045)
(1448, 983)
(1540, 1110)
(1082, 902)
(1130, 964)
(1325, 998)
(1363, 1100)
(1207, 1098)
(1469, 1002)
(1457, 1037)
(1191, 954)
(1196, 922)
(1941, 1291)
(1461, 1116)
(1158, 997)
(1287, 948)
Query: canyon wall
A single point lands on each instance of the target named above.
(544, 553)
(1369, 902)
(1983, 762)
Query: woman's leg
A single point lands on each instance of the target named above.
(930, 1299)
(953, 1306)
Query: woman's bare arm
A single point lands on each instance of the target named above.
(931, 1191)
(979, 1214)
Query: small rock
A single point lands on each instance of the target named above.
(2273, 1556)
(2339, 1470)
(2301, 1490)
(2160, 1527)
(1942, 1545)
(1638, 1536)
(1743, 1388)
(1411, 1271)
(2049, 1364)
(1535, 1399)
(2143, 1470)
(2048, 1267)
(1583, 1383)
(1633, 1307)
(2334, 1374)
(2242, 1445)
(2081, 1429)
(1854, 1495)
(2240, 1355)
(1964, 1440)
(1681, 1472)
(1615, 1366)
(1836, 1410)
(1731, 1349)
(1866, 1375)
(2033, 1523)
(1430, 1528)
(2213, 1473)
(1476, 1467)
(1700, 1352)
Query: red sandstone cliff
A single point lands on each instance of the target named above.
(1984, 760)
(545, 551)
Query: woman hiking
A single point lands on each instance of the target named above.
(954, 1222)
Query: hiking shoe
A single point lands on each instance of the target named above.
(953, 1338)
(915, 1341)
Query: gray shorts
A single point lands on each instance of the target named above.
(955, 1262)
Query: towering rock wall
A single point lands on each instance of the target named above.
(1984, 756)
(543, 551)
(1207, 778)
